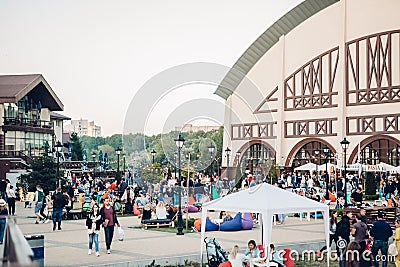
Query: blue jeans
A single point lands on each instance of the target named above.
(2, 228)
(57, 215)
(109, 234)
(383, 246)
(94, 238)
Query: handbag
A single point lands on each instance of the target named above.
(392, 250)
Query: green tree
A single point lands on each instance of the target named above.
(77, 148)
(370, 187)
(43, 173)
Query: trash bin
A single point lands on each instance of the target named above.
(37, 245)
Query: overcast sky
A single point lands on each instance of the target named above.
(96, 54)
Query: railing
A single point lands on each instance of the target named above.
(15, 154)
(27, 122)
(17, 251)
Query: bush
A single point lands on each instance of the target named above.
(190, 222)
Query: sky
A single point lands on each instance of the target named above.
(97, 54)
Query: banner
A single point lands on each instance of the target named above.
(373, 168)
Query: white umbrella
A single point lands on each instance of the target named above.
(307, 167)
(387, 167)
(322, 167)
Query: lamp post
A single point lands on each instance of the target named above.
(94, 171)
(211, 148)
(153, 153)
(179, 143)
(345, 145)
(58, 147)
(326, 152)
(187, 188)
(175, 156)
(228, 154)
(118, 151)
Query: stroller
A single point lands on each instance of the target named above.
(215, 254)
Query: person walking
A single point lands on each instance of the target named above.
(397, 239)
(360, 233)
(59, 202)
(343, 234)
(38, 200)
(11, 200)
(109, 220)
(380, 231)
(93, 223)
(3, 215)
(332, 232)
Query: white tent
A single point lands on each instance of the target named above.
(266, 200)
(396, 170)
(307, 167)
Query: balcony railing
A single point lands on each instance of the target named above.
(16, 121)
(15, 154)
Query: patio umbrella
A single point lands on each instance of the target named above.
(307, 167)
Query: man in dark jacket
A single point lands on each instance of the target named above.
(59, 203)
(381, 232)
(343, 232)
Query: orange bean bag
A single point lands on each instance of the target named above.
(332, 198)
(197, 224)
(225, 264)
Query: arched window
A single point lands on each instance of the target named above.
(380, 150)
(312, 152)
(255, 158)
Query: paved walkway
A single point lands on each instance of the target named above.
(69, 246)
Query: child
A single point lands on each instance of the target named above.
(93, 223)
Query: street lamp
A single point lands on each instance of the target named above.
(58, 147)
(316, 162)
(94, 172)
(179, 143)
(153, 153)
(345, 145)
(118, 151)
(211, 150)
(326, 152)
(228, 154)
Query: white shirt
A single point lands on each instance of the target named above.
(161, 213)
(238, 261)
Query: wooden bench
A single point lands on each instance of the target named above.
(156, 223)
(389, 214)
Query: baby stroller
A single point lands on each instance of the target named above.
(215, 254)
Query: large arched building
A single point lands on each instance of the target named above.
(326, 70)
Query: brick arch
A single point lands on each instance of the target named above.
(246, 145)
(300, 144)
(368, 140)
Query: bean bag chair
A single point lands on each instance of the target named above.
(197, 224)
(319, 215)
(192, 209)
(247, 222)
(225, 264)
(287, 259)
(210, 226)
(233, 225)
(136, 211)
(261, 249)
(332, 198)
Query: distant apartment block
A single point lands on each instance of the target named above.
(83, 127)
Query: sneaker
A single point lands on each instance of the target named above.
(54, 228)
(41, 221)
(97, 254)
(89, 252)
(36, 222)
(47, 221)
(108, 251)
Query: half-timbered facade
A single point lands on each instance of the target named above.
(326, 70)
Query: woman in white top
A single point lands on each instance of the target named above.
(236, 258)
(161, 211)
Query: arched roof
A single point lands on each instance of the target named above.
(267, 40)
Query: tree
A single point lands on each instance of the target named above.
(77, 148)
(370, 187)
(43, 173)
